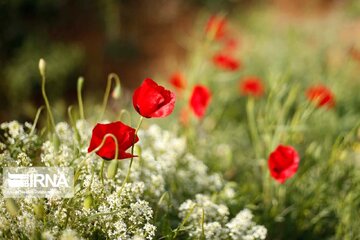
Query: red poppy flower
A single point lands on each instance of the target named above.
(153, 101)
(124, 135)
(321, 96)
(178, 81)
(283, 163)
(252, 86)
(226, 62)
(200, 99)
(216, 27)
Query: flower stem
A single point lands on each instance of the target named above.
(123, 113)
(77, 173)
(72, 121)
(107, 91)
(202, 225)
(47, 104)
(36, 119)
(102, 172)
(80, 101)
(252, 125)
(176, 231)
(132, 158)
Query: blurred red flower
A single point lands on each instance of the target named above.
(216, 27)
(252, 86)
(321, 96)
(184, 116)
(153, 101)
(354, 53)
(230, 44)
(178, 81)
(283, 163)
(226, 62)
(200, 99)
(124, 135)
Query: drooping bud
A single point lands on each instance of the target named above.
(42, 66)
(88, 202)
(12, 207)
(39, 211)
(112, 169)
(116, 92)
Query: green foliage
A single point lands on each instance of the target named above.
(63, 62)
(320, 201)
(194, 181)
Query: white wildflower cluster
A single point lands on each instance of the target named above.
(69, 234)
(64, 132)
(243, 227)
(164, 160)
(52, 155)
(6, 160)
(121, 214)
(104, 208)
(16, 133)
(203, 216)
(205, 219)
(17, 145)
(23, 160)
(65, 153)
(5, 218)
(84, 128)
(14, 130)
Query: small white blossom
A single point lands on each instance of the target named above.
(69, 234)
(64, 132)
(242, 227)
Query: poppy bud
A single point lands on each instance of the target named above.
(39, 211)
(88, 202)
(116, 92)
(112, 169)
(12, 207)
(216, 27)
(42, 66)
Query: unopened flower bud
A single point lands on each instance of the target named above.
(112, 169)
(88, 202)
(12, 207)
(116, 92)
(39, 211)
(42, 66)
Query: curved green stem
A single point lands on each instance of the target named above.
(156, 211)
(43, 91)
(80, 100)
(77, 134)
(107, 91)
(97, 149)
(36, 120)
(191, 210)
(132, 158)
(124, 112)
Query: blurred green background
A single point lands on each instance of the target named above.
(133, 38)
